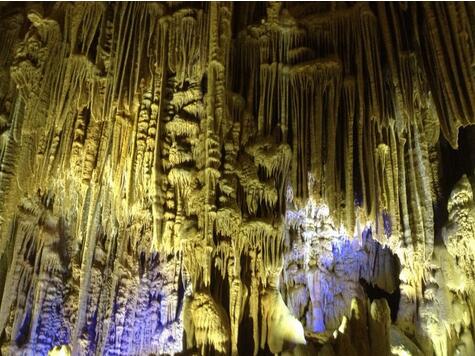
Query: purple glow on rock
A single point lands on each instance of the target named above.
(387, 223)
(332, 265)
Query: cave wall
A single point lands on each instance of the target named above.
(237, 178)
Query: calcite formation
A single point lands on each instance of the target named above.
(237, 178)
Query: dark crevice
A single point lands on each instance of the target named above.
(374, 292)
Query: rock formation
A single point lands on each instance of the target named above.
(237, 178)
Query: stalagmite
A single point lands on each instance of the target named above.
(279, 325)
(237, 178)
(460, 232)
(207, 322)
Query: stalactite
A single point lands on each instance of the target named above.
(440, 21)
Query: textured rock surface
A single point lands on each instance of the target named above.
(237, 178)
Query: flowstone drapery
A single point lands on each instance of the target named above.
(237, 178)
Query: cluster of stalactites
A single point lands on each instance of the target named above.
(363, 127)
(85, 118)
(129, 108)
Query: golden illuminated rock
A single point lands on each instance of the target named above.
(237, 178)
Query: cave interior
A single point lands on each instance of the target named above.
(237, 178)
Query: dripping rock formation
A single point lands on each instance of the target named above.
(237, 178)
